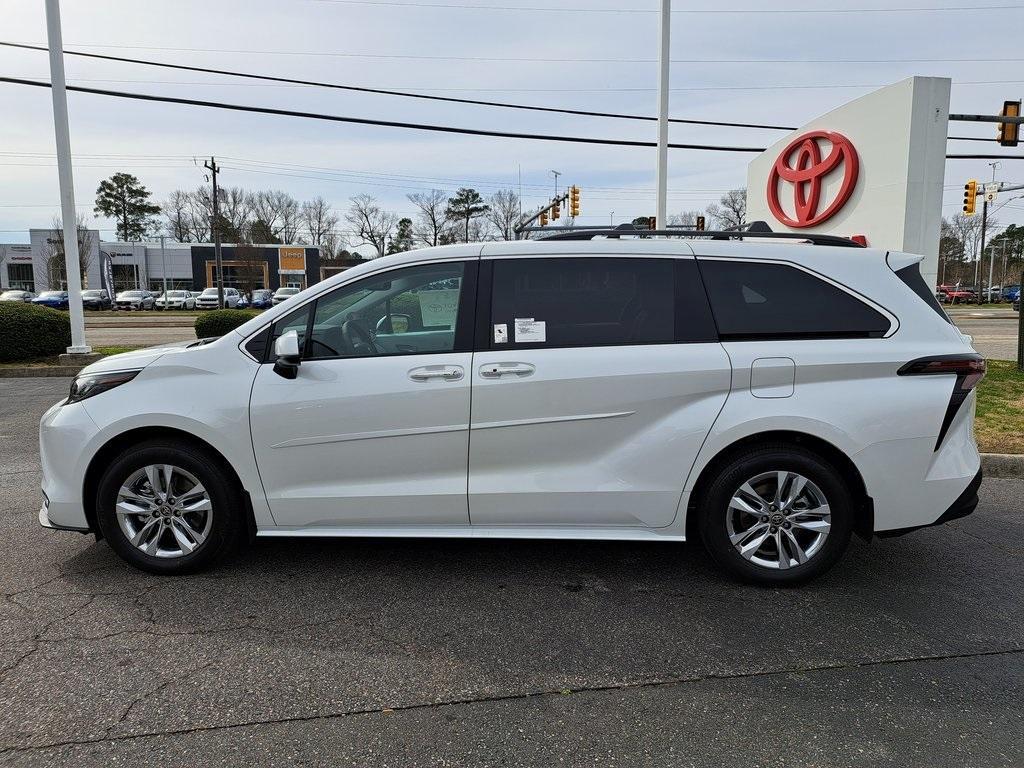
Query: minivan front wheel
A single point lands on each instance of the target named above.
(777, 515)
(167, 507)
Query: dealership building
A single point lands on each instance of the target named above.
(190, 266)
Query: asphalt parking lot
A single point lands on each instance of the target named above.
(428, 653)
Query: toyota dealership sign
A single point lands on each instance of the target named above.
(872, 168)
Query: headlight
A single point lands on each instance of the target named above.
(93, 383)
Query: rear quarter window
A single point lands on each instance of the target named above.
(756, 300)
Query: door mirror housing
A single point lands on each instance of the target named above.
(286, 350)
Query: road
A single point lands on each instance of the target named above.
(432, 653)
(994, 331)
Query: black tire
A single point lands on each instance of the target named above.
(713, 509)
(227, 529)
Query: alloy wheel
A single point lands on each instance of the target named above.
(164, 511)
(778, 520)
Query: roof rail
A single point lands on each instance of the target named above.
(755, 229)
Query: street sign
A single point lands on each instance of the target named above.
(991, 190)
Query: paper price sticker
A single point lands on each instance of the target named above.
(500, 333)
(530, 331)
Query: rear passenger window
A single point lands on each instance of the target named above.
(575, 302)
(774, 301)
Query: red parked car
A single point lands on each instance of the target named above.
(958, 295)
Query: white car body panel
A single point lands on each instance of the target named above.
(602, 442)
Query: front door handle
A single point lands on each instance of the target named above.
(497, 370)
(443, 372)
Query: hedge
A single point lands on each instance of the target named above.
(28, 331)
(221, 321)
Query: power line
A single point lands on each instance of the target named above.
(406, 94)
(692, 11)
(500, 59)
(421, 126)
(381, 123)
(389, 92)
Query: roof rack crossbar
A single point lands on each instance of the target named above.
(589, 232)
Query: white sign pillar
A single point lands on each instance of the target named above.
(72, 264)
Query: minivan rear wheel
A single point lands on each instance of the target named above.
(169, 507)
(777, 514)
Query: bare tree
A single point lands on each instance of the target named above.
(731, 210)
(685, 219)
(249, 269)
(504, 213)
(177, 209)
(54, 252)
(431, 220)
(318, 220)
(371, 222)
(279, 212)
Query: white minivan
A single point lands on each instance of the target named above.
(767, 397)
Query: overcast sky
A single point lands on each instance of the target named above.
(586, 59)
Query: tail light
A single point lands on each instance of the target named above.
(969, 369)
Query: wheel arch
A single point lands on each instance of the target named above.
(864, 523)
(117, 444)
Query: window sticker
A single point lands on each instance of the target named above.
(530, 331)
(500, 333)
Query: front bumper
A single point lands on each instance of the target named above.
(65, 434)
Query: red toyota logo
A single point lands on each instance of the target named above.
(801, 164)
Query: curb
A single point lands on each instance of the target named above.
(1002, 465)
(42, 371)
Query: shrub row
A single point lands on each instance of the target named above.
(28, 331)
(221, 321)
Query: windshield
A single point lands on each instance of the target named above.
(51, 295)
(92, 294)
(175, 294)
(132, 294)
(13, 294)
(287, 291)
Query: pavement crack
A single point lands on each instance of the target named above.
(526, 695)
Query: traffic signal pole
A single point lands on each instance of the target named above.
(72, 262)
(213, 168)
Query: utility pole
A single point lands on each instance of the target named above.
(215, 229)
(556, 174)
(981, 249)
(163, 268)
(664, 60)
(72, 262)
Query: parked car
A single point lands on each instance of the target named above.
(283, 294)
(261, 299)
(53, 299)
(96, 299)
(959, 295)
(618, 392)
(175, 300)
(137, 300)
(208, 298)
(1011, 293)
(14, 295)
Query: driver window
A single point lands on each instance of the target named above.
(403, 312)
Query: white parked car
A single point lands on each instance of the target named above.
(283, 294)
(208, 298)
(25, 297)
(176, 300)
(765, 398)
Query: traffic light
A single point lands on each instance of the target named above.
(700, 223)
(555, 212)
(652, 223)
(544, 217)
(1009, 133)
(574, 201)
(970, 196)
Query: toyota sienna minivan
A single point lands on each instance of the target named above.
(767, 397)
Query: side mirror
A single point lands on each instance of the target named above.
(286, 349)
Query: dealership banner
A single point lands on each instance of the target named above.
(873, 168)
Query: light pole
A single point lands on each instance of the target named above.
(556, 174)
(664, 59)
(72, 262)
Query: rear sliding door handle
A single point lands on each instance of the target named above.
(443, 372)
(497, 370)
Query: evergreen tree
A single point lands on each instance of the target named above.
(123, 198)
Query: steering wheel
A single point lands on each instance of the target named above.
(357, 338)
